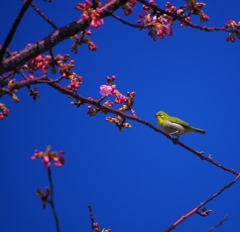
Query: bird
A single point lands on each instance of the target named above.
(175, 126)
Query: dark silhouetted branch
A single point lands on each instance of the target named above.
(13, 29)
(43, 16)
(91, 216)
(51, 202)
(127, 23)
(219, 224)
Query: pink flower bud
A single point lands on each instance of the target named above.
(89, 32)
(204, 18)
(199, 5)
(92, 46)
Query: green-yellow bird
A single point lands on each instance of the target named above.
(175, 126)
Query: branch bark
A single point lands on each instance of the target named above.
(55, 38)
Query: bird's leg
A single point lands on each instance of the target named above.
(175, 140)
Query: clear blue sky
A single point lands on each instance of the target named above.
(136, 180)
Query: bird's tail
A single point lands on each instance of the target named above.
(200, 131)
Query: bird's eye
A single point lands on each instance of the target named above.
(161, 115)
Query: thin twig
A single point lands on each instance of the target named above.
(195, 210)
(9, 75)
(91, 216)
(80, 40)
(219, 224)
(23, 74)
(52, 58)
(101, 99)
(127, 23)
(52, 200)
(43, 16)
(182, 19)
(14, 28)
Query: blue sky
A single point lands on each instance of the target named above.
(136, 180)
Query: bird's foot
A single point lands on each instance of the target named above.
(175, 140)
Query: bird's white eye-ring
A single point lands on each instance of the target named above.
(161, 115)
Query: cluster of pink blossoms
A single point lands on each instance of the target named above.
(83, 39)
(157, 25)
(43, 62)
(75, 83)
(90, 13)
(40, 63)
(49, 156)
(160, 24)
(97, 229)
(235, 30)
(3, 111)
(110, 90)
(128, 7)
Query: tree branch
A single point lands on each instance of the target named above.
(127, 23)
(219, 224)
(91, 217)
(195, 210)
(51, 202)
(55, 38)
(43, 16)
(45, 80)
(182, 19)
(13, 29)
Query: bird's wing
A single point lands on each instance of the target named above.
(181, 122)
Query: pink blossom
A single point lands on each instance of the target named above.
(160, 33)
(59, 161)
(106, 90)
(45, 159)
(230, 38)
(47, 165)
(128, 11)
(92, 46)
(96, 22)
(167, 30)
(120, 99)
(85, 16)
